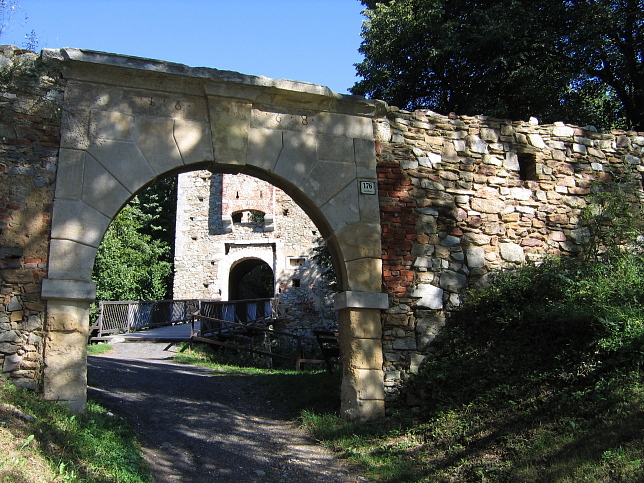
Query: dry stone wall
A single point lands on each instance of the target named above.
(461, 197)
(29, 142)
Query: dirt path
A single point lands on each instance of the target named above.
(198, 427)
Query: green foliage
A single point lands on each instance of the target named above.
(135, 258)
(97, 349)
(93, 447)
(322, 257)
(577, 62)
(129, 264)
(614, 217)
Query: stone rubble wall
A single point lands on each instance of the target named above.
(454, 208)
(29, 140)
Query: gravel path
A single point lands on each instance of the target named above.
(196, 426)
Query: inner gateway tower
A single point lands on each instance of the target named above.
(239, 237)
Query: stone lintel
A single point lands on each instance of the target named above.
(79, 290)
(361, 300)
(89, 64)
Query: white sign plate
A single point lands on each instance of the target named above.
(367, 187)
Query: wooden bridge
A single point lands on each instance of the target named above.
(241, 325)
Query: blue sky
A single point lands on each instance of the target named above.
(307, 40)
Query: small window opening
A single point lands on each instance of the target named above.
(237, 195)
(248, 216)
(297, 262)
(285, 212)
(296, 282)
(527, 167)
(256, 216)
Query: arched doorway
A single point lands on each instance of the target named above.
(128, 122)
(251, 278)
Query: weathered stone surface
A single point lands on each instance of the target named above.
(360, 273)
(71, 260)
(19, 276)
(68, 316)
(11, 363)
(361, 353)
(475, 257)
(8, 336)
(14, 304)
(408, 342)
(76, 221)
(65, 373)
(453, 281)
(488, 205)
(6, 348)
(431, 297)
(511, 252)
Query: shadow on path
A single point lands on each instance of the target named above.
(196, 426)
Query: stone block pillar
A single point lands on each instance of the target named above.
(66, 332)
(363, 390)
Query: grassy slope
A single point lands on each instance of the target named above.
(44, 442)
(537, 378)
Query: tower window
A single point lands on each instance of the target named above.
(297, 262)
(527, 167)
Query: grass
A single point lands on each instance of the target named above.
(537, 378)
(98, 349)
(297, 391)
(44, 442)
(493, 404)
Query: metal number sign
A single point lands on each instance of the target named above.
(367, 187)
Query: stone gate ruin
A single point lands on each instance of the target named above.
(414, 206)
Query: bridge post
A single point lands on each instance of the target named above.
(66, 332)
(363, 390)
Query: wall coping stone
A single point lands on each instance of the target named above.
(225, 83)
(58, 289)
(361, 300)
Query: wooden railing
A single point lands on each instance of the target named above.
(258, 338)
(119, 317)
(242, 325)
(246, 325)
(242, 311)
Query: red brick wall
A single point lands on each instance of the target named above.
(398, 223)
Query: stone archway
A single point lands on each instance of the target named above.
(128, 122)
(241, 271)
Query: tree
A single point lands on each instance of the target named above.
(8, 10)
(135, 258)
(574, 61)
